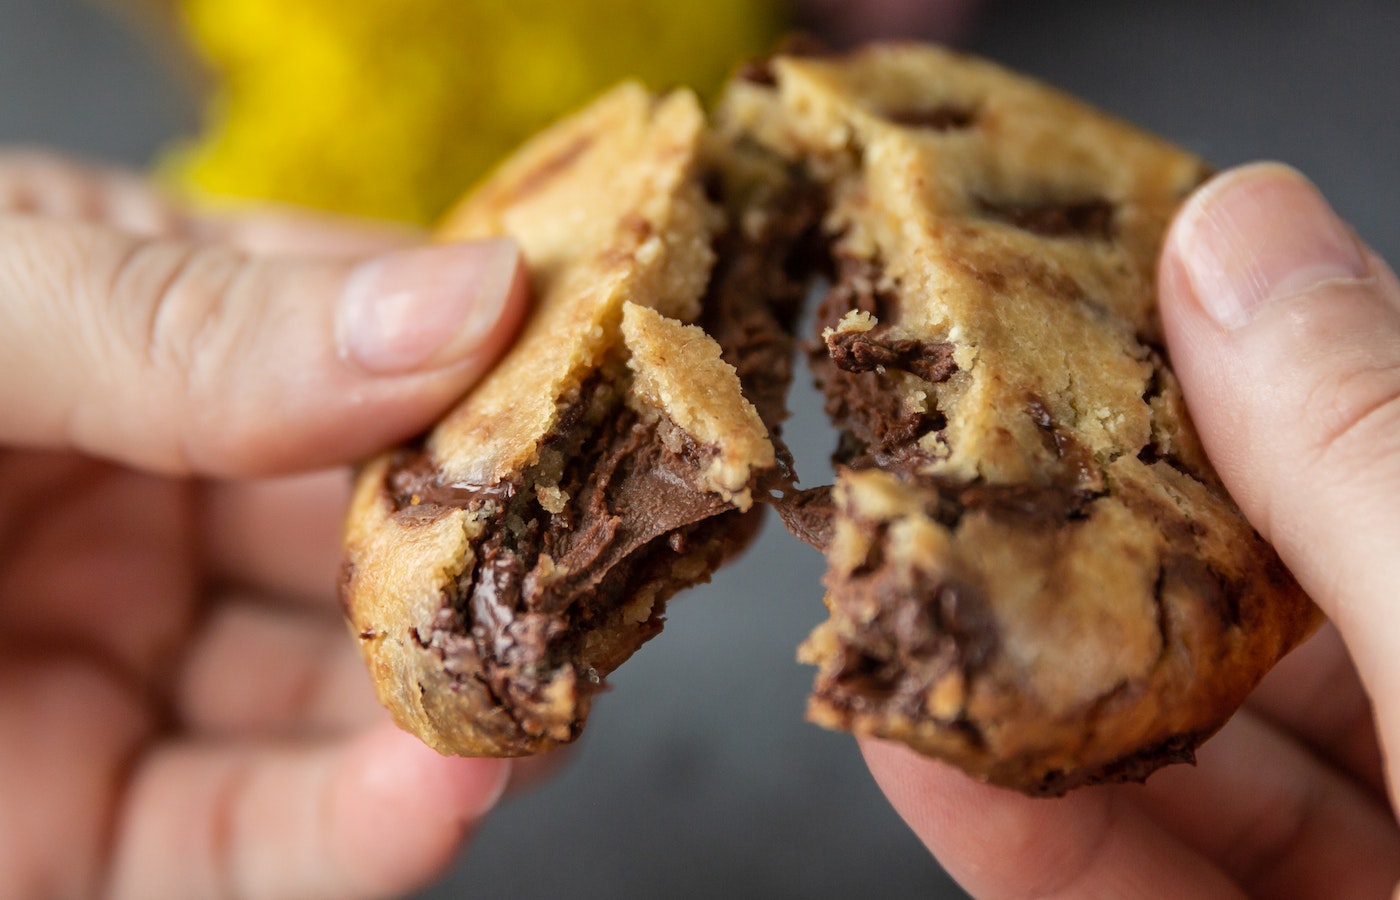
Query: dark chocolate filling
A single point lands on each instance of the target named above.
(1089, 219)
(870, 351)
(916, 635)
(634, 506)
(938, 118)
(876, 429)
(543, 582)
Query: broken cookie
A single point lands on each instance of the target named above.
(1034, 572)
(499, 570)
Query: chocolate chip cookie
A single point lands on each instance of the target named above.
(499, 569)
(1034, 572)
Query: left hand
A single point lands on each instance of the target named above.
(182, 713)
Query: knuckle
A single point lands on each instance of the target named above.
(1355, 415)
(179, 295)
(184, 326)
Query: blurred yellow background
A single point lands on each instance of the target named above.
(391, 108)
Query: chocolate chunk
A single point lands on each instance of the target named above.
(1179, 748)
(938, 118)
(1080, 467)
(759, 72)
(910, 638)
(542, 581)
(1091, 219)
(536, 179)
(1040, 506)
(755, 295)
(1194, 577)
(416, 488)
(808, 515)
(960, 611)
(864, 351)
(798, 44)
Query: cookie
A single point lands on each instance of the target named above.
(1033, 571)
(498, 570)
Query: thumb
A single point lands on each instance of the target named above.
(181, 357)
(1285, 333)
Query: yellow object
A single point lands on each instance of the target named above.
(391, 108)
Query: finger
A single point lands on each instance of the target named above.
(102, 560)
(53, 186)
(271, 672)
(47, 184)
(996, 843)
(1278, 821)
(67, 732)
(1315, 696)
(269, 230)
(262, 671)
(280, 536)
(528, 772)
(1285, 333)
(179, 357)
(377, 816)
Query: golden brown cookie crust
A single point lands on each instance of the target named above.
(1034, 573)
(496, 574)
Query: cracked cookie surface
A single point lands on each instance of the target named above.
(1033, 571)
(500, 569)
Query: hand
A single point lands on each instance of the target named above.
(1285, 332)
(181, 711)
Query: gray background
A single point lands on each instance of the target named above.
(698, 777)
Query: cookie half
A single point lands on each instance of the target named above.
(499, 570)
(1033, 571)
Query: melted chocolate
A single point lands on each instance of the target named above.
(911, 637)
(1080, 471)
(543, 581)
(809, 515)
(866, 351)
(938, 118)
(876, 428)
(415, 484)
(1091, 219)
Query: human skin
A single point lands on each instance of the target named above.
(1285, 332)
(181, 711)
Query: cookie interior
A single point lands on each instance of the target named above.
(615, 455)
(1033, 571)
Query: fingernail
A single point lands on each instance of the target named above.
(497, 783)
(1259, 233)
(425, 308)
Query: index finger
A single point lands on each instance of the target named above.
(995, 842)
(279, 536)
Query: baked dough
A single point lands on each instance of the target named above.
(1034, 572)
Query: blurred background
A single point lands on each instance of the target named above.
(698, 777)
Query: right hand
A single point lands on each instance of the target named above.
(1285, 332)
